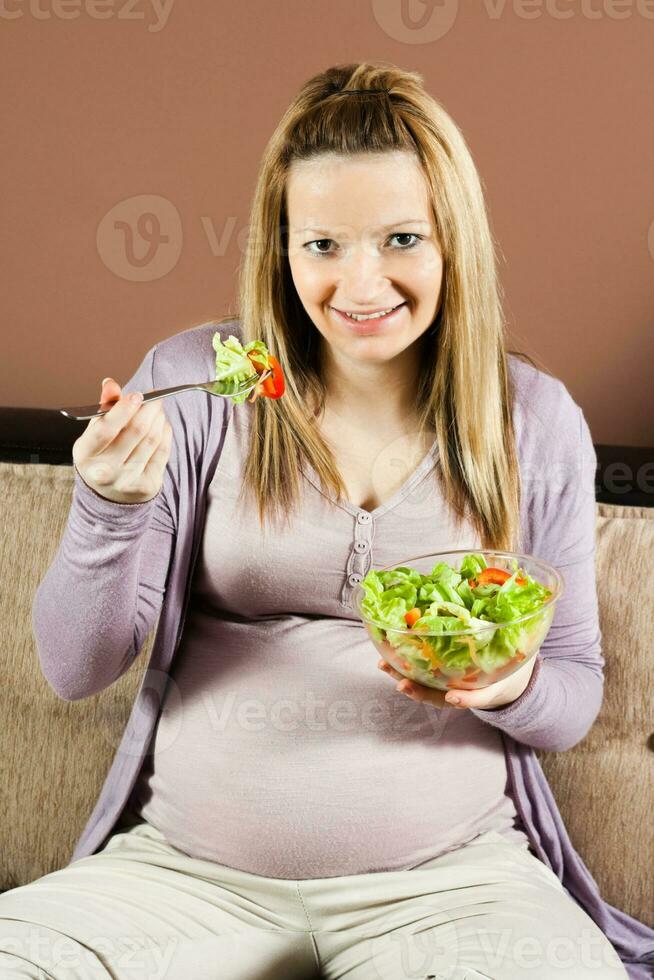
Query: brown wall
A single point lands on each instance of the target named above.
(105, 100)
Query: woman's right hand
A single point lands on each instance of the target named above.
(122, 455)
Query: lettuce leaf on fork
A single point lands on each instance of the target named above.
(233, 366)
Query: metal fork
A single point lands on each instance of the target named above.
(83, 412)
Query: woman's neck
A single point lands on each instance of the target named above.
(370, 396)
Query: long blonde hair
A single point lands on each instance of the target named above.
(464, 391)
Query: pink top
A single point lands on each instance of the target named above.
(121, 569)
(281, 749)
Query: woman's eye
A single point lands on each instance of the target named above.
(407, 234)
(402, 248)
(319, 241)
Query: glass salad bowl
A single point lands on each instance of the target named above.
(459, 619)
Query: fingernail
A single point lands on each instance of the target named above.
(452, 699)
(136, 397)
(104, 381)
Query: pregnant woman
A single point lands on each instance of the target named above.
(277, 807)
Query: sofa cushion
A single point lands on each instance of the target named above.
(603, 785)
(57, 753)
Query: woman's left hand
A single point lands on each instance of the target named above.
(494, 696)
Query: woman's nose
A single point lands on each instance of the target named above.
(363, 275)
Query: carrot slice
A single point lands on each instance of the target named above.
(412, 616)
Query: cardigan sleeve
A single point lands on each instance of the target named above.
(103, 591)
(564, 694)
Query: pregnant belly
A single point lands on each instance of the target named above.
(310, 786)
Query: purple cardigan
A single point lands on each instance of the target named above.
(121, 568)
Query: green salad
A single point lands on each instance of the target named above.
(402, 603)
(235, 364)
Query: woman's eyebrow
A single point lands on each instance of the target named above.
(394, 224)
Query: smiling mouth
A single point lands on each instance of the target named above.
(369, 317)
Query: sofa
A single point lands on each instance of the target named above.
(55, 754)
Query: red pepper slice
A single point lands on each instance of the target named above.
(493, 576)
(274, 386)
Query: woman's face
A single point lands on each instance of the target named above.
(361, 238)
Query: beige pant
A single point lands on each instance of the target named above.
(140, 909)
